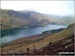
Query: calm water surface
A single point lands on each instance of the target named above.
(20, 33)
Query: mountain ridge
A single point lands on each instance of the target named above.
(19, 19)
(25, 19)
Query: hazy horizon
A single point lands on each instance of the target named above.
(45, 7)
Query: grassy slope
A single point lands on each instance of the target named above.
(53, 38)
(16, 19)
(65, 33)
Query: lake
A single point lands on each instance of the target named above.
(13, 34)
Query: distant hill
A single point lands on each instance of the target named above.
(65, 20)
(25, 19)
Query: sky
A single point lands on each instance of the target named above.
(46, 7)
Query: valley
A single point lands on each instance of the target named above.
(38, 42)
(37, 28)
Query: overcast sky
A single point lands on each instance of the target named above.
(48, 7)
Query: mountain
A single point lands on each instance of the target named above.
(23, 19)
(64, 20)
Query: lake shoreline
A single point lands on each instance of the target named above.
(10, 35)
(28, 27)
(33, 38)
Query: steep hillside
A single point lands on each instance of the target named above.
(61, 35)
(56, 44)
(23, 19)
